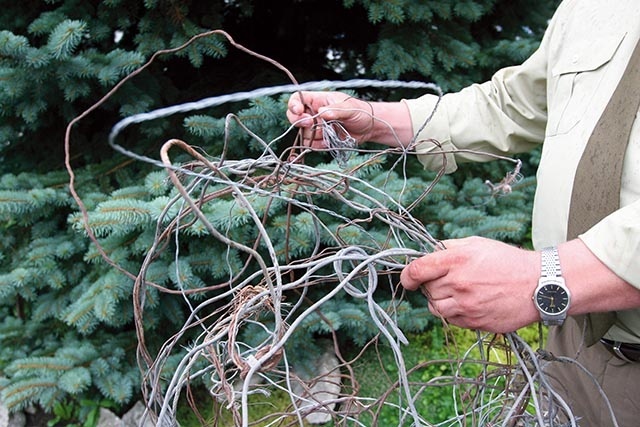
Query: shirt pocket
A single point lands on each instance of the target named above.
(576, 75)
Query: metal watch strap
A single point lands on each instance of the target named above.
(550, 270)
(550, 263)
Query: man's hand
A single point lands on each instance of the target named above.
(388, 123)
(478, 283)
(306, 109)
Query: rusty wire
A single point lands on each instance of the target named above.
(506, 390)
(511, 390)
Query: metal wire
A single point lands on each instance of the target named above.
(233, 366)
(511, 389)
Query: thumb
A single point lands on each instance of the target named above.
(343, 110)
(334, 112)
(425, 269)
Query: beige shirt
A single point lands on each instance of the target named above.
(554, 98)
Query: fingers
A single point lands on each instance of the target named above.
(435, 265)
(302, 106)
(295, 105)
(425, 269)
(297, 113)
(445, 308)
(312, 137)
(309, 111)
(305, 109)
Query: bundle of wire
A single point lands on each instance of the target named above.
(508, 392)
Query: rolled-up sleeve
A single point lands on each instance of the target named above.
(555, 97)
(505, 115)
(616, 242)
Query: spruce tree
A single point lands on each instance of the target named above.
(66, 328)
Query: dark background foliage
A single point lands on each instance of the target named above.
(58, 57)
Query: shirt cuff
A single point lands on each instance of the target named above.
(433, 140)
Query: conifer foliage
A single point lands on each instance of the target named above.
(66, 315)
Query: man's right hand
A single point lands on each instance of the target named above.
(307, 109)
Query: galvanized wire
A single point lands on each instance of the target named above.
(512, 388)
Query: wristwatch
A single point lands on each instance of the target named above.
(551, 297)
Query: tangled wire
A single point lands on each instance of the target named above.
(270, 291)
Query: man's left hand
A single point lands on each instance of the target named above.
(478, 283)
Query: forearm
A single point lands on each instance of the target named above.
(391, 124)
(594, 287)
(484, 284)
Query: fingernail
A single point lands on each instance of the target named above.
(305, 123)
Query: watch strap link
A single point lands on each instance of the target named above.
(550, 270)
(550, 263)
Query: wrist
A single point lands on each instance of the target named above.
(551, 297)
(391, 124)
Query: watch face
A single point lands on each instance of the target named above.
(552, 298)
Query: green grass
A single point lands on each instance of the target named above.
(434, 352)
(213, 413)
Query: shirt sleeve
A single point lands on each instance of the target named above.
(505, 115)
(615, 240)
